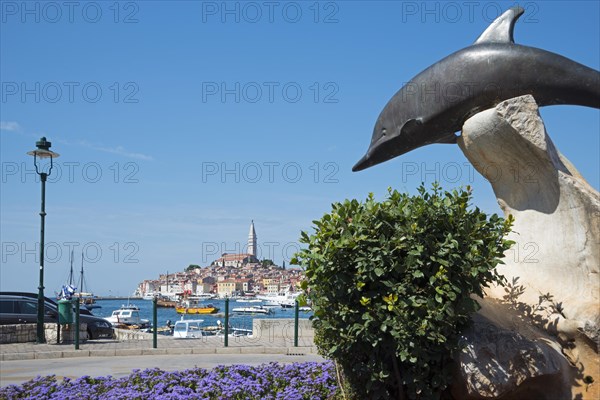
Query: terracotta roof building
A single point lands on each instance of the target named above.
(237, 260)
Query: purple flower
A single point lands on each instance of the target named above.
(268, 381)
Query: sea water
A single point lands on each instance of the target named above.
(163, 314)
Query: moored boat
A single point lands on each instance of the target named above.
(87, 299)
(196, 309)
(162, 301)
(188, 329)
(285, 300)
(127, 315)
(193, 305)
(148, 296)
(251, 310)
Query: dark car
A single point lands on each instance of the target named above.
(21, 308)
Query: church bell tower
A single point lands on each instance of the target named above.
(252, 240)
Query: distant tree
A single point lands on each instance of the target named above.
(266, 262)
(191, 267)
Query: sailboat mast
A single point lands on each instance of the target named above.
(81, 277)
(71, 271)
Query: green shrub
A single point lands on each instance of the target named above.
(391, 286)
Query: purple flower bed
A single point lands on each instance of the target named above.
(268, 381)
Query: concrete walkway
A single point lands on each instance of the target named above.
(165, 345)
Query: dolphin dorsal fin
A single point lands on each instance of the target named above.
(501, 29)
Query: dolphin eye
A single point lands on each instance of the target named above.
(383, 131)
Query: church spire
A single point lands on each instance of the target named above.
(252, 240)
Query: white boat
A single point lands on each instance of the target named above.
(127, 315)
(219, 330)
(241, 332)
(188, 329)
(249, 300)
(148, 296)
(251, 310)
(288, 304)
(286, 299)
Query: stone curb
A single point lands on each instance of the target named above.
(301, 350)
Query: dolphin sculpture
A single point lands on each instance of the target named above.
(433, 106)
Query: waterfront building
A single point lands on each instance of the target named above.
(228, 287)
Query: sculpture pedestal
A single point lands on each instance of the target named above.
(557, 249)
(557, 213)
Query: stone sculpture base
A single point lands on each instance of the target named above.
(506, 357)
(552, 270)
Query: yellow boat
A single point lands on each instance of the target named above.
(208, 309)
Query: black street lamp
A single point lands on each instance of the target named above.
(42, 151)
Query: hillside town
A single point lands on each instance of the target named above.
(228, 276)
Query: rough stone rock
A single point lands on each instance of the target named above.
(556, 229)
(505, 358)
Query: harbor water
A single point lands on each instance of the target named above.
(241, 321)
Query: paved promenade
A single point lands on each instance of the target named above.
(165, 345)
(20, 362)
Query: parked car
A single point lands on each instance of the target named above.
(82, 308)
(21, 308)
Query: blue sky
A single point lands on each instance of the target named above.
(180, 122)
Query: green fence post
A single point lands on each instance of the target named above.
(227, 322)
(154, 323)
(296, 309)
(77, 324)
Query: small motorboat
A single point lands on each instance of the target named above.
(251, 310)
(270, 304)
(188, 329)
(128, 315)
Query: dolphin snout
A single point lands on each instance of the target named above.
(363, 163)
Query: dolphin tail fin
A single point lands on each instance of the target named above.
(501, 29)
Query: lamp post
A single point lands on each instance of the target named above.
(42, 151)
